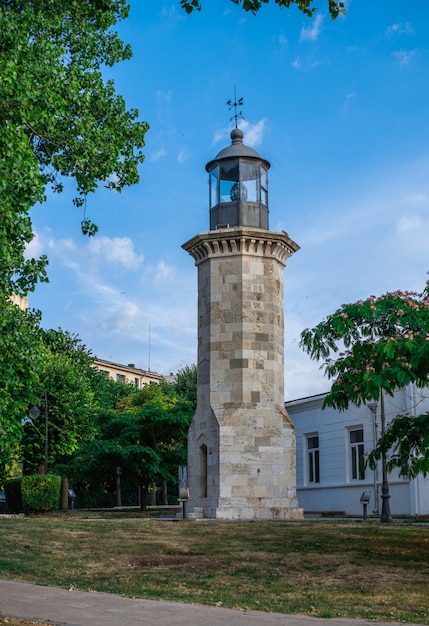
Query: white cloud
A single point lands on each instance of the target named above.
(162, 272)
(123, 318)
(303, 376)
(35, 248)
(305, 64)
(404, 56)
(311, 33)
(402, 28)
(410, 223)
(349, 99)
(164, 109)
(282, 42)
(183, 156)
(171, 12)
(65, 244)
(221, 135)
(158, 154)
(411, 231)
(116, 251)
(420, 199)
(164, 97)
(43, 243)
(253, 133)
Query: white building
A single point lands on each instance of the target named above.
(330, 447)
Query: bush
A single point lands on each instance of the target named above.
(40, 493)
(12, 490)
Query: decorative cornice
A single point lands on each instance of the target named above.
(244, 241)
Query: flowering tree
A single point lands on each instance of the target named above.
(380, 344)
(335, 7)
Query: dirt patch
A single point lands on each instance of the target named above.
(170, 560)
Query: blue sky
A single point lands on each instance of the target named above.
(340, 109)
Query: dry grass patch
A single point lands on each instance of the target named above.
(321, 568)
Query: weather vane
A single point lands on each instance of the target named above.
(237, 114)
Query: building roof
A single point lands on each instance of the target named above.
(237, 149)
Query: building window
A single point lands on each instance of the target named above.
(120, 378)
(313, 463)
(357, 454)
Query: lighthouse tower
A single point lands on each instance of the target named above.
(241, 445)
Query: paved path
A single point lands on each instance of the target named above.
(82, 608)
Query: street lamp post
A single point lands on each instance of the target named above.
(34, 413)
(385, 495)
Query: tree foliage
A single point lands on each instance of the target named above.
(161, 394)
(335, 7)
(143, 442)
(58, 116)
(379, 344)
(21, 358)
(185, 384)
(75, 391)
(109, 392)
(404, 445)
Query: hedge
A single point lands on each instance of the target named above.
(12, 491)
(40, 493)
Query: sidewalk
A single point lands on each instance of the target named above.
(81, 608)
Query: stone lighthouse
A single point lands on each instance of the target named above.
(241, 446)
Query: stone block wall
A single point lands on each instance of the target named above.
(241, 452)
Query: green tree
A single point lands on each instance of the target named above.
(185, 384)
(21, 357)
(335, 7)
(380, 344)
(58, 116)
(404, 445)
(75, 391)
(109, 392)
(143, 445)
(65, 387)
(162, 394)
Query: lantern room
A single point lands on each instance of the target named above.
(238, 181)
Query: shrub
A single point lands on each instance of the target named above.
(40, 493)
(12, 490)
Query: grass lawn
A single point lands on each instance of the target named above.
(322, 568)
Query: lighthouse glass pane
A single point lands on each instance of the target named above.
(213, 178)
(249, 173)
(229, 177)
(264, 186)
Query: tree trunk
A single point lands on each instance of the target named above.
(118, 487)
(65, 494)
(143, 496)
